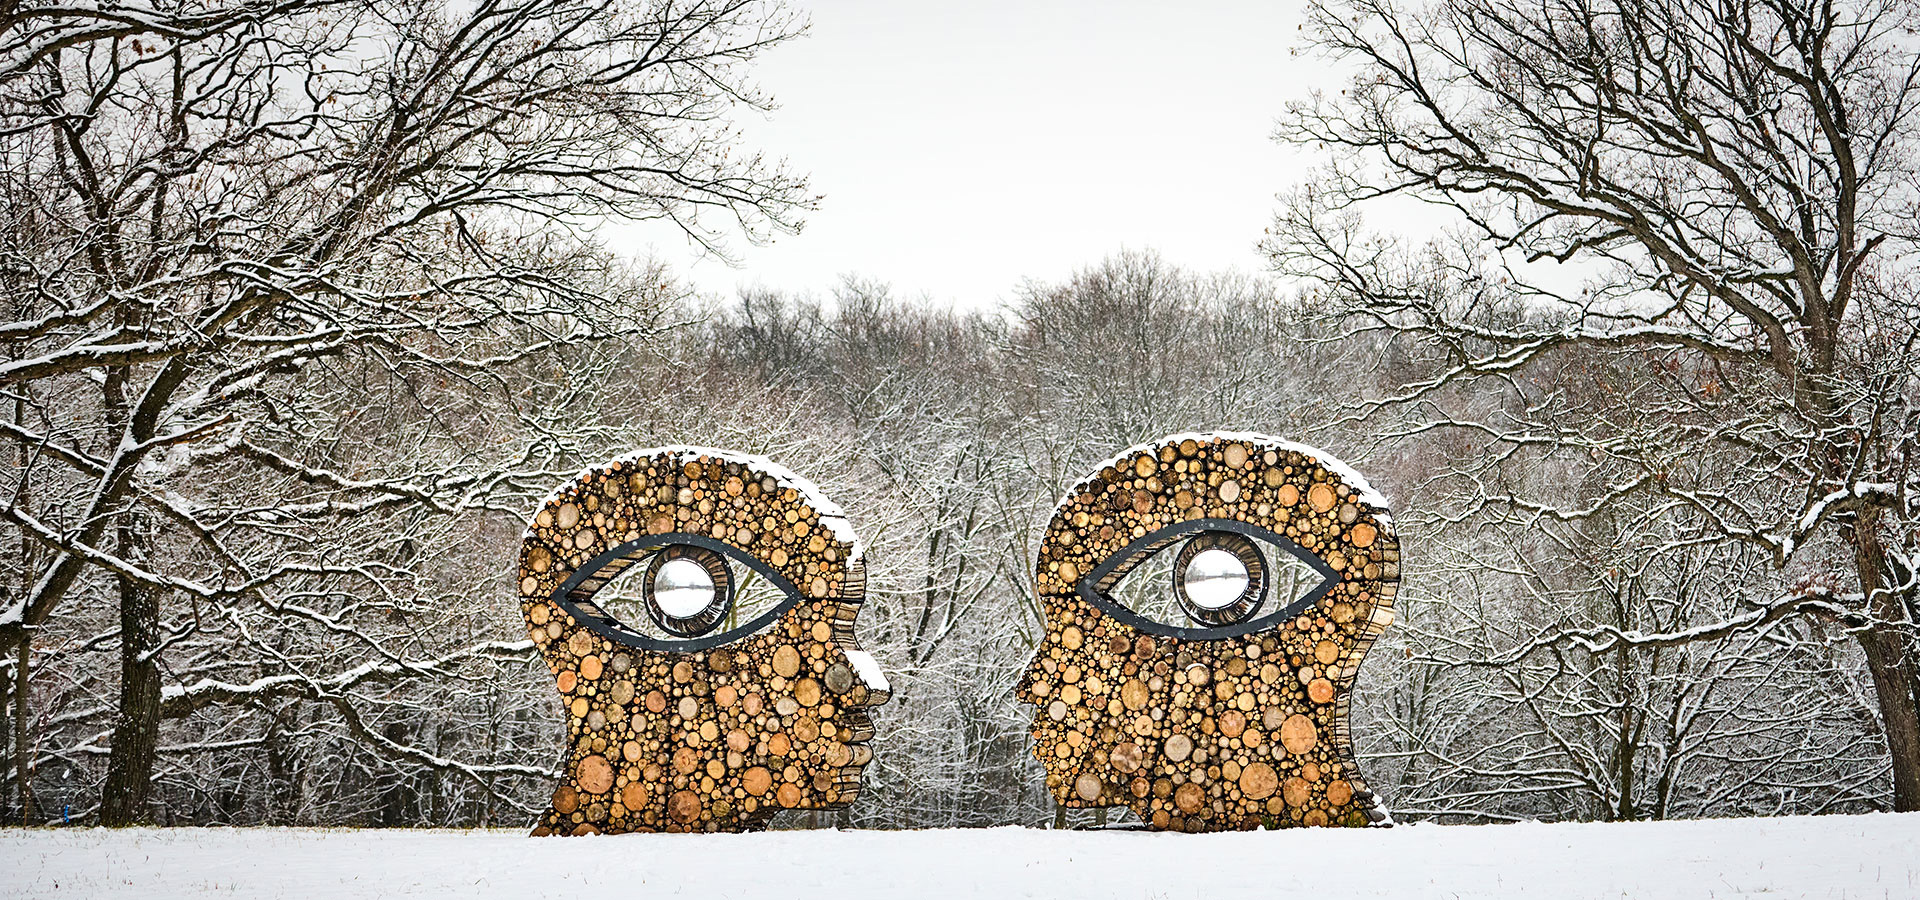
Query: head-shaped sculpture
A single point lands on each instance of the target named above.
(1235, 716)
(700, 718)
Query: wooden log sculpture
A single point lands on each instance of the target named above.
(715, 732)
(1238, 720)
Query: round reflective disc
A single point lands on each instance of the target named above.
(1216, 578)
(683, 588)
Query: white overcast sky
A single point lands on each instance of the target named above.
(964, 146)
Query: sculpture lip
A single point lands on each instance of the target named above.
(863, 742)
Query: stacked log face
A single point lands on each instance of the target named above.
(717, 739)
(1211, 734)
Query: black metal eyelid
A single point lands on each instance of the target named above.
(575, 594)
(1094, 585)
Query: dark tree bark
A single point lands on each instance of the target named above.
(136, 728)
(136, 723)
(23, 748)
(1890, 657)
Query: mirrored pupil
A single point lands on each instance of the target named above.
(683, 588)
(1215, 579)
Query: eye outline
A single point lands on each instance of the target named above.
(632, 552)
(1093, 586)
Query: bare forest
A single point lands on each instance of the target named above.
(305, 314)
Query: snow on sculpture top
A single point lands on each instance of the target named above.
(689, 719)
(1237, 716)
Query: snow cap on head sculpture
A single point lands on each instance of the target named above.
(694, 717)
(1235, 717)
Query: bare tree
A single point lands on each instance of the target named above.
(288, 267)
(1717, 199)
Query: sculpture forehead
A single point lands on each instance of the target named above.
(749, 502)
(1290, 489)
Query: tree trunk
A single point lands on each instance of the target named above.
(1623, 753)
(23, 749)
(136, 729)
(1891, 663)
(398, 801)
(136, 726)
(1890, 658)
(22, 671)
(10, 749)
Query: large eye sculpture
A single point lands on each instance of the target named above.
(694, 712)
(1224, 706)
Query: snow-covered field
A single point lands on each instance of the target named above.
(1828, 857)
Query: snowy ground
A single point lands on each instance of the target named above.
(1827, 857)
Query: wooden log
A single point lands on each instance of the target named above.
(684, 806)
(1320, 690)
(595, 774)
(807, 691)
(786, 661)
(1258, 781)
(1296, 791)
(1298, 734)
(1189, 798)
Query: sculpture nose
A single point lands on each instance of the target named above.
(861, 671)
